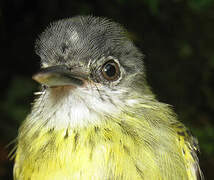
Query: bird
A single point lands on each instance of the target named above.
(95, 116)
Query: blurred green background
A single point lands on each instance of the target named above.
(177, 37)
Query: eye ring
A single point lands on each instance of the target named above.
(110, 70)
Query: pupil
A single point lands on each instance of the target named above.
(110, 70)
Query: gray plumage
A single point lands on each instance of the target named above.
(76, 41)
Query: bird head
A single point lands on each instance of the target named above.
(89, 65)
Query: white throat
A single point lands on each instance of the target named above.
(67, 107)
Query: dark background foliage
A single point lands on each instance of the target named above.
(176, 36)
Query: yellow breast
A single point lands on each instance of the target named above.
(117, 149)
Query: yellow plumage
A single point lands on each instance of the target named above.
(124, 147)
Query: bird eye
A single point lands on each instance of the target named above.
(110, 70)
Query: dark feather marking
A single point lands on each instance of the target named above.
(51, 130)
(66, 134)
(92, 144)
(96, 129)
(139, 171)
(108, 130)
(76, 138)
(184, 152)
(126, 149)
(181, 133)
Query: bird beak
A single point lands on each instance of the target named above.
(60, 76)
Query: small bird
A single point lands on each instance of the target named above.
(96, 117)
